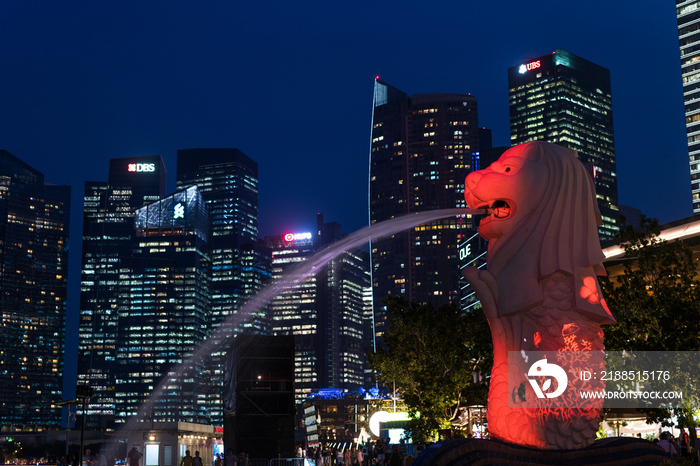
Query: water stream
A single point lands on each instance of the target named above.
(292, 277)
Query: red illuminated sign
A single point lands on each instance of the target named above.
(219, 429)
(289, 237)
(533, 65)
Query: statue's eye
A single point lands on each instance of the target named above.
(507, 169)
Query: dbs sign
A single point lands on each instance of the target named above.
(141, 167)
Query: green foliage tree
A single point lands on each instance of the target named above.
(438, 359)
(656, 301)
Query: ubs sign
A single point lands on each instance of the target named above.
(141, 167)
(533, 65)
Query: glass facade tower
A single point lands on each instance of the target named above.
(688, 13)
(325, 314)
(163, 313)
(566, 100)
(108, 232)
(34, 229)
(228, 182)
(421, 152)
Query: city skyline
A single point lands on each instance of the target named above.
(81, 98)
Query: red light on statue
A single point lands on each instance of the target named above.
(289, 237)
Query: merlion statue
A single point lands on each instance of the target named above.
(540, 291)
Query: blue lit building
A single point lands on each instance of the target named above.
(163, 312)
(34, 229)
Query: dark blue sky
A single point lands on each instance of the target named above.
(290, 84)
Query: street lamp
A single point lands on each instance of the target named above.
(83, 391)
(68, 403)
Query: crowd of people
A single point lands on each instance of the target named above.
(677, 448)
(379, 453)
(134, 456)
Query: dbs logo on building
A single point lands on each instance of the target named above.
(141, 167)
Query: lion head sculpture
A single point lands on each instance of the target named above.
(543, 218)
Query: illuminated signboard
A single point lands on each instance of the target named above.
(178, 211)
(384, 416)
(533, 65)
(289, 237)
(141, 167)
(465, 251)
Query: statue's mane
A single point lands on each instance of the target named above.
(559, 235)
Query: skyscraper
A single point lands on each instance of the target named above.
(34, 229)
(566, 100)
(688, 13)
(228, 182)
(163, 304)
(108, 232)
(325, 314)
(421, 152)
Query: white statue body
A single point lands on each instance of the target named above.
(540, 291)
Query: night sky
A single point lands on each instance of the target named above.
(290, 84)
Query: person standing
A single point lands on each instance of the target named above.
(197, 461)
(88, 458)
(395, 458)
(230, 459)
(187, 459)
(667, 446)
(134, 456)
(380, 451)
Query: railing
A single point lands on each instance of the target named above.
(291, 462)
(258, 462)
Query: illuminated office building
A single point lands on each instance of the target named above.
(566, 100)
(421, 152)
(34, 228)
(240, 266)
(163, 304)
(325, 313)
(688, 13)
(108, 232)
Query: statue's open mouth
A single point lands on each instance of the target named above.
(499, 209)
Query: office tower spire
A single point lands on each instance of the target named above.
(421, 152)
(688, 14)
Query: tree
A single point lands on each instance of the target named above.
(655, 297)
(435, 357)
